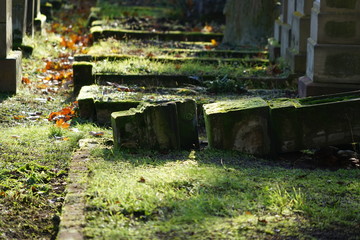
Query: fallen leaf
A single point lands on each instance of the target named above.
(142, 180)
(25, 80)
(96, 134)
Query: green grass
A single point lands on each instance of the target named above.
(146, 66)
(111, 11)
(215, 195)
(33, 171)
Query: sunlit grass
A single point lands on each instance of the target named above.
(213, 195)
(193, 68)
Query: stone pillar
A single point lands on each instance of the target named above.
(274, 43)
(5, 28)
(19, 11)
(30, 16)
(10, 62)
(40, 19)
(333, 49)
(37, 6)
(300, 32)
(287, 18)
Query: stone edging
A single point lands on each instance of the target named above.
(73, 211)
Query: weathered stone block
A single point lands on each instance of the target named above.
(285, 39)
(337, 5)
(286, 135)
(5, 28)
(39, 24)
(188, 124)
(330, 123)
(30, 16)
(150, 126)
(307, 87)
(304, 6)
(82, 75)
(290, 10)
(10, 72)
(239, 125)
(273, 49)
(296, 61)
(99, 111)
(333, 63)
(277, 30)
(284, 11)
(19, 11)
(300, 32)
(335, 28)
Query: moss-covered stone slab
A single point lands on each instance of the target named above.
(170, 125)
(99, 110)
(175, 60)
(241, 125)
(314, 122)
(263, 127)
(100, 33)
(83, 75)
(286, 135)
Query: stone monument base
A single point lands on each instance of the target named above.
(273, 49)
(307, 87)
(297, 61)
(10, 72)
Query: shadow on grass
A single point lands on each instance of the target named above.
(4, 96)
(221, 190)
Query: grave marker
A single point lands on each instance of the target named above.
(333, 49)
(10, 61)
(19, 11)
(5, 28)
(30, 16)
(300, 32)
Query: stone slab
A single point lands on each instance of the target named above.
(30, 16)
(306, 88)
(284, 10)
(150, 126)
(337, 6)
(10, 72)
(285, 39)
(333, 63)
(82, 75)
(296, 61)
(304, 6)
(315, 122)
(335, 28)
(300, 32)
(330, 124)
(19, 11)
(274, 50)
(277, 30)
(238, 125)
(5, 28)
(291, 6)
(285, 131)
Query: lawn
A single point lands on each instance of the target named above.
(212, 194)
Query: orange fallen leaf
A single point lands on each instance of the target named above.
(25, 80)
(96, 134)
(142, 180)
